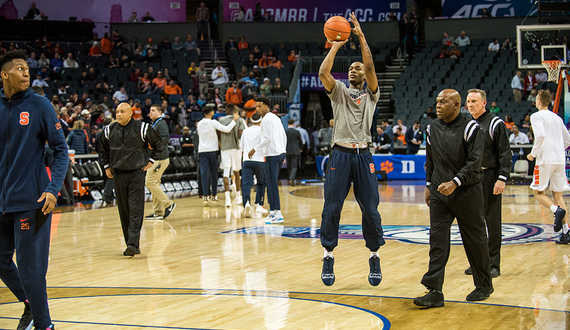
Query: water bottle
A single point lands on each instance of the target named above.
(521, 153)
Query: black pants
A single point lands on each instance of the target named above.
(129, 190)
(292, 165)
(465, 205)
(493, 216)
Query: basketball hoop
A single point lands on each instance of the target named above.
(553, 69)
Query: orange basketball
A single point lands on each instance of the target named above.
(337, 28)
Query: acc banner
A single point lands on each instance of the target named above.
(397, 167)
(312, 82)
(316, 10)
(497, 8)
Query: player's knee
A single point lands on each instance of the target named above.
(538, 193)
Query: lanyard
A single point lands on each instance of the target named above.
(154, 124)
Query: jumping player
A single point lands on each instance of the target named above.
(350, 160)
(551, 138)
(27, 197)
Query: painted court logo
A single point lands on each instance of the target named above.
(513, 233)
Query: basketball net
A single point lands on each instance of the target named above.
(553, 69)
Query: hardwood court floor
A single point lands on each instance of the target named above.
(209, 268)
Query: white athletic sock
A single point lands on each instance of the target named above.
(565, 228)
(278, 213)
(372, 254)
(227, 194)
(238, 193)
(328, 253)
(553, 208)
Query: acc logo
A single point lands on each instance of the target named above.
(24, 118)
(513, 233)
(387, 166)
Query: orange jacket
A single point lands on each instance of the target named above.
(106, 46)
(233, 97)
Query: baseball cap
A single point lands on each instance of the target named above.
(85, 112)
(265, 79)
(255, 67)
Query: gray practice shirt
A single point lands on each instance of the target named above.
(231, 140)
(353, 111)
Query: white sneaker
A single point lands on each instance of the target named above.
(206, 200)
(239, 200)
(274, 218)
(233, 188)
(260, 209)
(247, 210)
(228, 202)
(214, 199)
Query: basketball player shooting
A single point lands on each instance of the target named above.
(350, 160)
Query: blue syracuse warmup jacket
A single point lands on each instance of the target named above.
(27, 121)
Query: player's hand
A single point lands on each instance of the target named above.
(149, 165)
(530, 157)
(109, 173)
(427, 194)
(337, 44)
(356, 29)
(251, 153)
(499, 187)
(49, 205)
(447, 188)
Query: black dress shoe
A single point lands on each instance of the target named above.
(480, 294)
(469, 271)
(131, 250)
(434, 298)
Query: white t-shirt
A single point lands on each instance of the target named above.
(120, 96)
(249, 139)
(551, 138)
(273, 138)
(522, 138)
(219, 76)
(208, 136)
(494, 47)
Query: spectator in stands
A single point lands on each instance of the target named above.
(202, 78)
(195, 84)
(230, 44)
(250, 62)
(32, 62)
(251, 79)
(112, 63)
(151, 56)
(442, 53)
(264, 63)
(106, 44)
(494, 46)
(485, 13)
(134, 77)
(78, 139)
(382, 141)
(177, 45)
(190, 44)
(401, 126)
(192, 68)
(243, 73)
(266, 17)
(241, 15)
(133, 18)
(164, 45)
(150, 45)
(525, 123)
(411, 36)
(159, 82)
(463, 40)
(186, 144)
(530, 83)
(137, 56)
(57, 49)
(447, 40)
(135, 44)
(518, 137)
(117, 42)
(276, 63)
(507, 44)
(70, 62)
(172, 88)
(256, 72)
(39, 81)
(509, 122)
(145, 110)
(147, 18)
(44, 61)
(541, 79)
(92, 75)
(45, 74)
(428, 114)
(121, 95)
(265, 88)
(399, 138)
(95, 50)
(201, 101)
(32, 12)
(57, 62)
(257, 53)
(137, 112)
(258, 13)
(218, 98)
(494, 108)
(414, 138)
(517, 87)
(325, 133)
(202, 16)
(249, 91)
(402, 27)
(292, 56)
(532, 96)
(278, 88)
(191, 104)
(242, 44)
(454, 53)
(220, 78)
(233, 95)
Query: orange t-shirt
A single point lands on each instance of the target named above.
(277, 64)
(264, 63)
(106, 46)
(233, 97)
(243, 45)
(137, 113)
(250, 104)
(172, 90)
(159, 82)
(94, 51)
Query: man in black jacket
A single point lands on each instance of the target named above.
(294, 149)
(414, 138)
(162, 205)
(496, 164)
(125, 157)
(454, 152)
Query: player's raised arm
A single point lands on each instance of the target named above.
(326, 66)
(367, 58)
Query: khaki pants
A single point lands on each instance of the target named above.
(160, 200)
(517, 95)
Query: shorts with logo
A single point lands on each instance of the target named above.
(231, 158)
(550, 175)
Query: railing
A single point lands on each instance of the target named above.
(294, 96)
(281, 100)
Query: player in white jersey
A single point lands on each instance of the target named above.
(551, 138)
